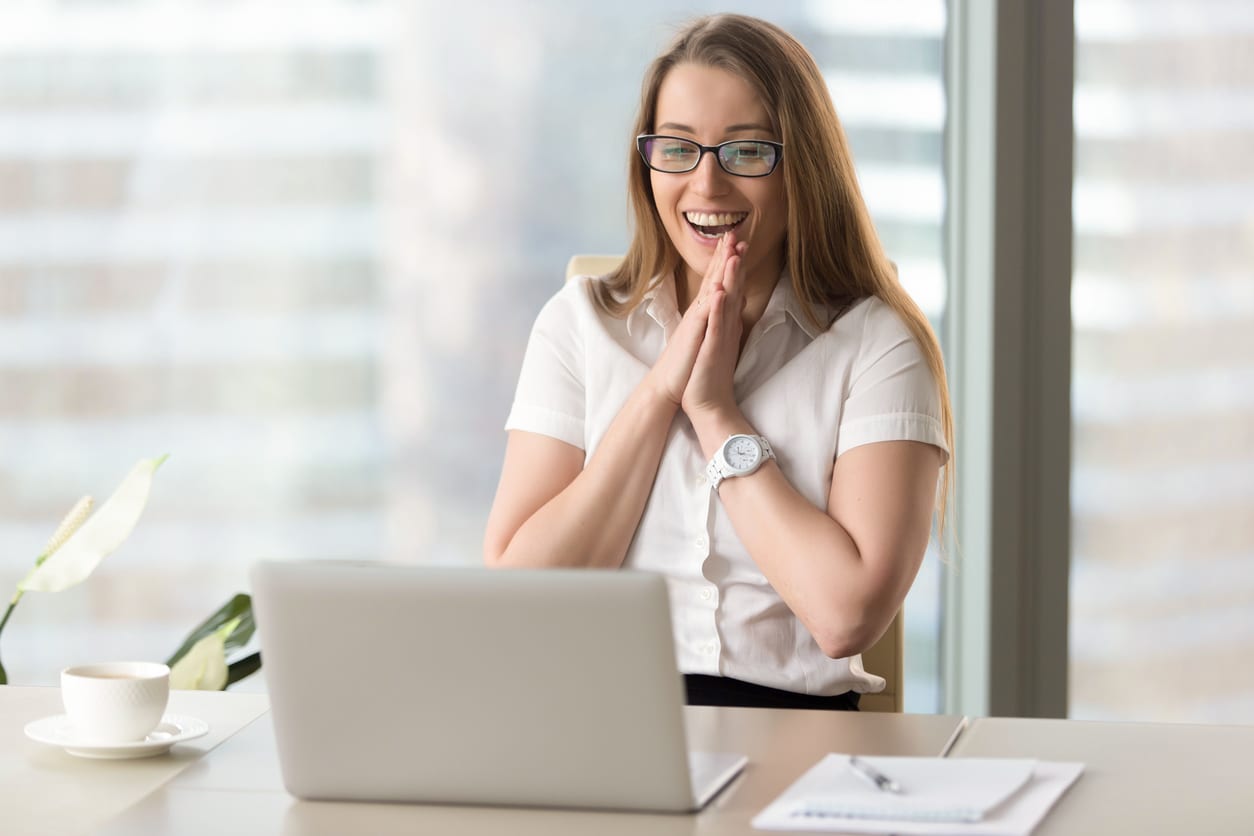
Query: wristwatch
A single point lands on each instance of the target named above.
(739, 455)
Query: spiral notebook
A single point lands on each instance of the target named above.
(992, 796)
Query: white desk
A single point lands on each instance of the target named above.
(1142, 778)
(239, 790)
(43, 790)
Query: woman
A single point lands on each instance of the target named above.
(750, 404)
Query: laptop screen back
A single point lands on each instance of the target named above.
(471, 685)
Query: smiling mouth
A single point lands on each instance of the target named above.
(714, 224)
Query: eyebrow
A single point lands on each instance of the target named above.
(731, 129)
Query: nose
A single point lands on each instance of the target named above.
(708, 178)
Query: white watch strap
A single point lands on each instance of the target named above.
(714, 473)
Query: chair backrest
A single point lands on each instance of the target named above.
(591, 265)
(885, 657)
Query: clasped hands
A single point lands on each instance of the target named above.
(698, 365)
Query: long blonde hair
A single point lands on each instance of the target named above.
(833, 253)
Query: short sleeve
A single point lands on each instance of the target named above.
(893, 395)
(549, 399)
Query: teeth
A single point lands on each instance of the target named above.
(715, 218)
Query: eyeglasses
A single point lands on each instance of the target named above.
(741, 157)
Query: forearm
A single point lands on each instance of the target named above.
(592, 521)
(809, 558)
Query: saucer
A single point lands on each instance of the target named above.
(173, 728)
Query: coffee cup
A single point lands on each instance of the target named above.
(115, 702)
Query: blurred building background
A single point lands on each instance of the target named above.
(299, 245)
(1162, 585)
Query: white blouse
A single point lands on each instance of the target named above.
(812, 393)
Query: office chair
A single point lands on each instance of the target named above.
(885, 657)
(591, 265)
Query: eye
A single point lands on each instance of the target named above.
(676, 150)
(748, 157)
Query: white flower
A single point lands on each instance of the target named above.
(80, 544)
(204, 668)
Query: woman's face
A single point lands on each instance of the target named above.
(710, 106)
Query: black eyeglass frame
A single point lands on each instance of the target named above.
(716, 150)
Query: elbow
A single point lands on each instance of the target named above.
(842, 640)
(838, 647)
(494, 553)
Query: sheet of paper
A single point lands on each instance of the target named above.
(1018, 813)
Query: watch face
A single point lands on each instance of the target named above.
(742, 453)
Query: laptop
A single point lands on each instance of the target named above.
(551, 687)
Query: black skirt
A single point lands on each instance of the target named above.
(721, 690)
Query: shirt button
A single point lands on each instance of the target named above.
(707, 594)
(700, 542)
(700, 479)
(709, 649)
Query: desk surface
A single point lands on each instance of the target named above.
(44, 790)
(239, 789)
(1142, 778)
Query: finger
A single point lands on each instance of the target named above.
(720, 346)
(731, 263)
(731, 279)
(718, 302)
(715, 326)
(738, 252)
(718, 261)
(713, 275)
(689, 338)
(724, 321)
(695, 318)
(699, 310)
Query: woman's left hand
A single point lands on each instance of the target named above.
(709, 395)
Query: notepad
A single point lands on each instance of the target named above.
(939, 796)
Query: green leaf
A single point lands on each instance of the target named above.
(203, 668)
(105, 530)
(242, 668)
(4, 676)
(239, 607)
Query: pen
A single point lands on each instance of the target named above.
(869, 773)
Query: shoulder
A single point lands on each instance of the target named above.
(574, 295)
(866, 328)
(893, 393)
(577, 297)
(571, 305)
(572, 315)
(872, 327)
(879, 349)
(873, 319)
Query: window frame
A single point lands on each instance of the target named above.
(1009, 158)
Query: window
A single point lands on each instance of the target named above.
(299, 246)
(1163, 301)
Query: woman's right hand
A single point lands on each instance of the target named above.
(673, 368)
